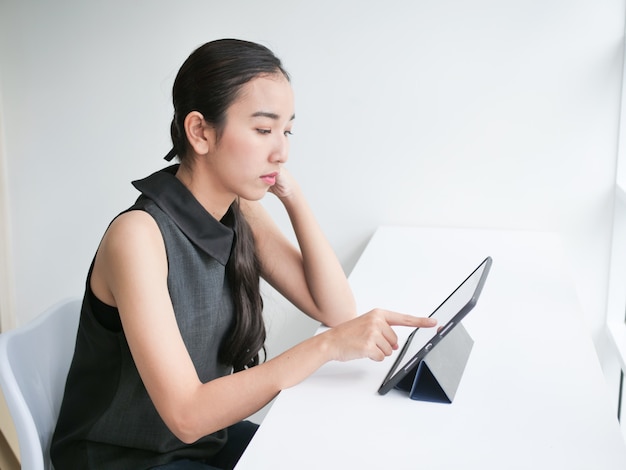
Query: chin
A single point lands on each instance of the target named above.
(254, 196)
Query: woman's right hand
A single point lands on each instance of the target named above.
(371, 335)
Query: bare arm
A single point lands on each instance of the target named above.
(131, 273)
(311, 277)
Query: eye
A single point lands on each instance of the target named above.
(264, 131)
(288, 133)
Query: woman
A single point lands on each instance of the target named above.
(166, 365)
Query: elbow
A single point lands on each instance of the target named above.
(187, 414)
(334, 310)
(347, 313)
(185, 424)
(184, 428)
(331, 323)
(340, 317)
(186, 437)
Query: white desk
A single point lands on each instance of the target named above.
(532, 395)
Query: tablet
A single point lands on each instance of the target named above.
(448, 315)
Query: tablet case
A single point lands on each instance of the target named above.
(436, 377)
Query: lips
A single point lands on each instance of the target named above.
(270, 178)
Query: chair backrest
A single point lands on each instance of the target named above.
(34, 361)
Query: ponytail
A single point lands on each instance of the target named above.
(246, 338)
(210, 81)
(178, 141)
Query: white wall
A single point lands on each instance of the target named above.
(484, 113)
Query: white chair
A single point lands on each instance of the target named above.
(34, 361)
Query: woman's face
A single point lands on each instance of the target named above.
(255, 141)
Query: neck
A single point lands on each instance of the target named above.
(204, 190)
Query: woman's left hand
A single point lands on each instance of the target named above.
(284, 186)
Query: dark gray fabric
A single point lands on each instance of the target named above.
(198, 292)
(107, 419)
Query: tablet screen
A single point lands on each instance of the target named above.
(450, 312)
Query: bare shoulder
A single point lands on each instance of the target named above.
(131, 234)
(132, 248)
(131, 224)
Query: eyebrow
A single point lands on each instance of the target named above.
(273, 116)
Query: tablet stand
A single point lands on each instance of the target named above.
(436, 377)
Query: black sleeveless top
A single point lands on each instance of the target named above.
(107, 420)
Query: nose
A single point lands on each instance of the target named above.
(280, 150)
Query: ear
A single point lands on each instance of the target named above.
(199, 133)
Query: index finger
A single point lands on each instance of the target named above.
(402, 319)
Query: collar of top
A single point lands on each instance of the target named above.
(210, 235)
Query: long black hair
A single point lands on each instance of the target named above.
(209, 81)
